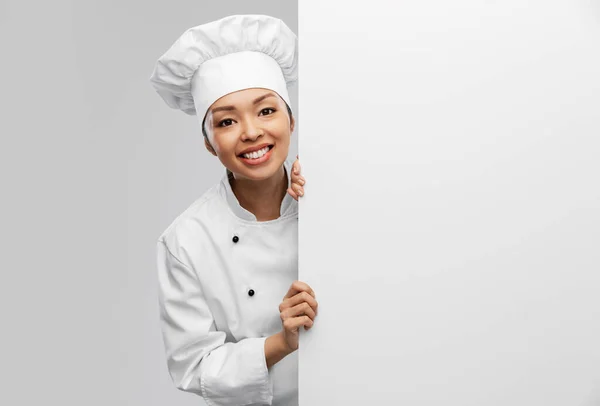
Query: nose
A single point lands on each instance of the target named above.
(251, 129)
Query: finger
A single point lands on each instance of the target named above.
(299, 298)
(298, 189)
(302, 309)
(302, 297)
(292, 193)
(299, 179)
(297, 287)
(293, 323)
(308, 324)
(296, 167)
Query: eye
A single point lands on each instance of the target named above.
(227, 120)
(267, 109)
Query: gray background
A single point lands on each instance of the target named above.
(94, 167)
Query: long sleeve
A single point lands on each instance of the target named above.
(198, 358)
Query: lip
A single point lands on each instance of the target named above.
(252, 149)
(258, 161)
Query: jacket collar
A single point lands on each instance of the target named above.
(286, 205)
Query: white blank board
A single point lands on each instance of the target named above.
(451, 222)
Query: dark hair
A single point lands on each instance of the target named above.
(203, 121)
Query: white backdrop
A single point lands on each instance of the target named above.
(451, 222)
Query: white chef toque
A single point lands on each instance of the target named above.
(234, 53)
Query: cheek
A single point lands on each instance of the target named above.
(224, 143)
(280, 130)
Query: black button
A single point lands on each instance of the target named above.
(251, 292)
(236, 238)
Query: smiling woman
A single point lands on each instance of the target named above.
(271, 108)
(226, 262)
(249, 131)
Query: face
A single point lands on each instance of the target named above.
(254, 120)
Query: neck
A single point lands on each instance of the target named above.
(261, 197)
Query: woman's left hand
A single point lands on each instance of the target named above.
(297, 182)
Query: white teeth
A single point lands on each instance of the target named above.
(256, 154)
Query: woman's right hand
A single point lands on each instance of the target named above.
(299, 308)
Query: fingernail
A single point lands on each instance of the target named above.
(301, 182)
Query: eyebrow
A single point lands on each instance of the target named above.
(230, 108)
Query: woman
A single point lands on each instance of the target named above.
(230, 305)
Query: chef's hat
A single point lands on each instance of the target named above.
(234, 53)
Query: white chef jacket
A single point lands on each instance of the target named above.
(219, 299)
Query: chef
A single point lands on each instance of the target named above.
(230, 306)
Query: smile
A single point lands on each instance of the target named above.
(257, 157)
(257, 154)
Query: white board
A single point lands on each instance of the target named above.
(451, 222)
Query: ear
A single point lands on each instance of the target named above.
(292, 124)
(209, 147)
